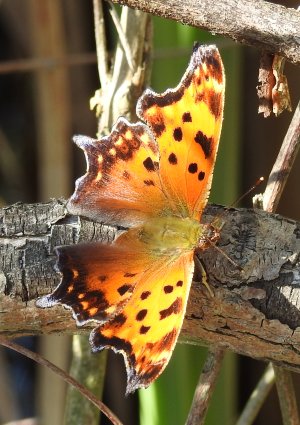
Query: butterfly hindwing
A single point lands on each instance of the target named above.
(146, 330)
(98, 279)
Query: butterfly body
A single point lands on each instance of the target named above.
(153, 178)
(170, 234)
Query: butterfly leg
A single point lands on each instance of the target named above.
(204, 280)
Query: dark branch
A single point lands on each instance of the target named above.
(267, 26)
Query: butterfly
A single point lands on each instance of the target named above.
(152, 178)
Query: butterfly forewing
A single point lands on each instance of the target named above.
(121, 186)
(186, 123)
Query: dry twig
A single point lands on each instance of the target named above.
(122, 36)
(67, 378)
(283, 164)
(287, 397)
(205, 386)
(275, 186)
(101, 45)
(257, 397)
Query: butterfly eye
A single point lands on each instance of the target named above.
(207, 77)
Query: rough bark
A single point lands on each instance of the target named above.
(267, 26)
(255, 307)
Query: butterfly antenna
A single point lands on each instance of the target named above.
(217, 223)
(225, 255)
(257, 183)
(217, 220)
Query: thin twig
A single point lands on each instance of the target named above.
(101, 45)
(33, 64)
(275, 186)
(88, 370)
(287, 397)
(205, 386)
(283, 164)
(67, 378)
(122, 35)
(257, 397)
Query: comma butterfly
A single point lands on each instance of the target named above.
(154, 179)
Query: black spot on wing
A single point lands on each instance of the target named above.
(145, 295)
(144, 329)
(168, 289)
(186, 117)
(174, 308)
(172, 159)
(201, 175)
(193, 168)
(158, 128)
(141, 315)
(205, 143)
(177, 134)
(150, 165)
(125, 288)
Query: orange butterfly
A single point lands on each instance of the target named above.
(154, 179)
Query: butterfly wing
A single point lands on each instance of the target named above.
(139, 299)
(98, 280)
(134, 173)
(186, 122)
(146, 330)
(122, 185)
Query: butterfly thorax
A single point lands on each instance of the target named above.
(169, 234)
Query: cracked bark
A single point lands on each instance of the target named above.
(254, 311)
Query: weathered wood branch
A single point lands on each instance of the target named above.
(255, 311)
(263, 24)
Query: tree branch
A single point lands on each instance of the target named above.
(253, 312)
(267, 26)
